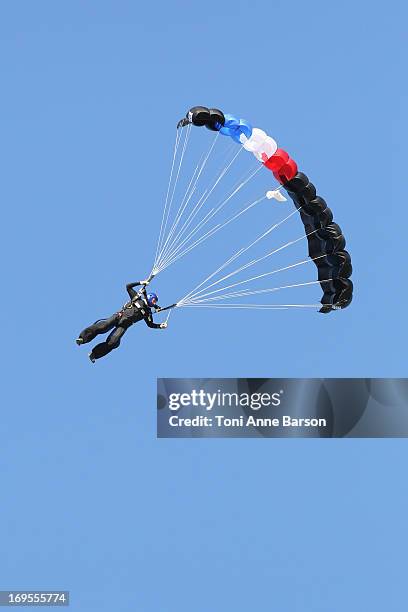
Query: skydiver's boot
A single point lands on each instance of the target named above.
(79, 341)
(91, 357)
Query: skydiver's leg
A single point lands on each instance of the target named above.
(99, 327)
(112, 342)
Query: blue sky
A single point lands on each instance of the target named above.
(92, 502)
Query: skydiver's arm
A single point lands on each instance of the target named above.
(149, 322)
(130, 288)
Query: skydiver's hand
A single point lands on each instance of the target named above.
(163, 325)
(144, 282)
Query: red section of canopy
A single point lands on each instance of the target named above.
(284, 168)
(278, 159)
(286, 172)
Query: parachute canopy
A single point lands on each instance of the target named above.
(325, 240)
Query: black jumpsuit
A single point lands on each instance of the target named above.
(133, 311)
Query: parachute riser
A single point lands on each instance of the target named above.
(167, 307)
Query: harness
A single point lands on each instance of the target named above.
(134, 303)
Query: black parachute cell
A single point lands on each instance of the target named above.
(315, 206)
(297, 184)
(334, 266)
(325, 243)
(216, 120)
(199, 115)
(314, 222)
(327, 240)
(337, 294)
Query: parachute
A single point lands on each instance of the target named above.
(324, 237)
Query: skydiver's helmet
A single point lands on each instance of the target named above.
(152, 299)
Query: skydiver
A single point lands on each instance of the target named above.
(138, 308)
